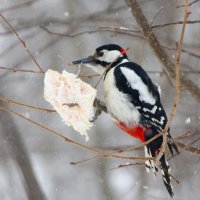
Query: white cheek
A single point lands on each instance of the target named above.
(110, 56)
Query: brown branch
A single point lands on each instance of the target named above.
(115, 29)
(174, 23)
(183, 50)
(186, 83)
(15, 69)
(66, 34)
(177, 97)
(22, 42)
(54, 132)
(180, 137)
(157, 13)
(188, 148)
(193, 2)
(113, 156)
(127, 165)
(128, 149)
(99, 29)
(100, 153)
(9, 101)
(121, 30)
(133, 33)
(18, 5)
(131, 148)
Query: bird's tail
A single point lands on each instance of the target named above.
(164, 166)
(165, 170)
(172, 145)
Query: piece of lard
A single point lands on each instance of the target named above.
(71, 98)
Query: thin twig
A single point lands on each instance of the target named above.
(100, 153)
(21, 70)
(108, 66)
(183, 50)
(22, 42)
(99, 29)
(193, 2)
(177, 97)
(188, 148)
(18, 5)
(127, 165)
(53, 132)
(133, 148)
(128, 149)
(159, 26)
(9, 101)
(154, 17)
(180, 137)
(121, 30)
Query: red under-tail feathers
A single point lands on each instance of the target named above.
(137, 131)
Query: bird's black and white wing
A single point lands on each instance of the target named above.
(133, 81)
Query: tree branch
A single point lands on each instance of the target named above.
(186, 83)
(177, 97)
(22, 42)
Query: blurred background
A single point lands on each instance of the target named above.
(35, 164)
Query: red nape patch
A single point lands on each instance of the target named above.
(123, 52)
(137, 131)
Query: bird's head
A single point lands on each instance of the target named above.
(106, 56)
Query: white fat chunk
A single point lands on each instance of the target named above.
(71, 98)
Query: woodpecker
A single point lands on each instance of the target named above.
(133, 102)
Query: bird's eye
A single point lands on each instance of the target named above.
(100, 54)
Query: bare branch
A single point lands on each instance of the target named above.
(174, 23)
(22, 42)
(154, 17)
(190, 4)
(9, 101)
(15, 69)
(54, 132)
(128, 165)
(186, 83)
(188, 148)
(18, 5)
(177, 97)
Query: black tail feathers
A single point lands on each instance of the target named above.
(165, 170)
(164, 167)
(172, 146)
(152, 149)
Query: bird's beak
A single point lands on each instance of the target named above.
(88, 60)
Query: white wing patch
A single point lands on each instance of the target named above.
(153, 111)
(136, 83)
(161, 120)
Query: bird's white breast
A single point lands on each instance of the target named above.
(118, 103)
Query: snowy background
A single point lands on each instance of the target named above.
(35, 164)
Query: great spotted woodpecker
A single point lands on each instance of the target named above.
(133, 101)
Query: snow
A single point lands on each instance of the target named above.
(123, 28)
(188, 120)
(145, 187)
(66, 14)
